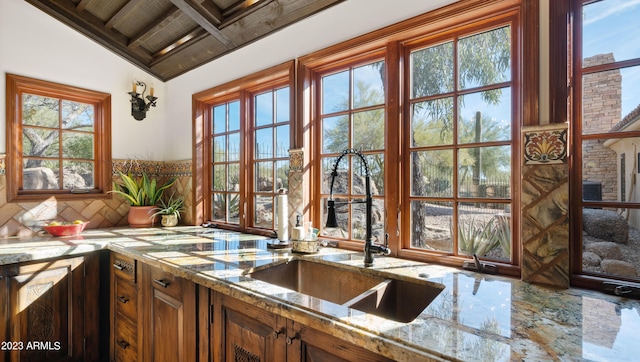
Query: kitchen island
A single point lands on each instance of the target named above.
(476, 316)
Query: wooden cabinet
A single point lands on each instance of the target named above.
(244, 332)
(169, 311)
(125, 306)
(51, 310)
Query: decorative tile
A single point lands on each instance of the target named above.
(2, 164)
(546, 146)
(296, 159)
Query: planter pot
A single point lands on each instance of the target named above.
(141, 216)
(169, 220)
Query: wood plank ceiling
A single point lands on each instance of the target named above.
(171, 37)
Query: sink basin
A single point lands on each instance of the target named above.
(328, 282)
(396, 299)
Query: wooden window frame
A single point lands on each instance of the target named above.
(242, 89)
(567, 14)
(391, 41)
(17, 85)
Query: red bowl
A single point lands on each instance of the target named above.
(66, 229)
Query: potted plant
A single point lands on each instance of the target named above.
(143, 194)
(170, 211)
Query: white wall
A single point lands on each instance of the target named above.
(34, 44)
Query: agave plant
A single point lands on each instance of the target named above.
(142, 190)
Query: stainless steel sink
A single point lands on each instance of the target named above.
(328, 282)
(396, 299)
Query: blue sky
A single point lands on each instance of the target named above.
(612, 27)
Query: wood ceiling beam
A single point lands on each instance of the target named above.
(241, 9)
(204, 20)
(126, 9)
(193, 37)
(83, 4)
(154, 28)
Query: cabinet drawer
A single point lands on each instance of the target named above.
(166, 282)
(126, 341)
(126, 299)
(124, 267)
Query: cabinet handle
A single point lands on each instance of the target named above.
(161, 282)
(123, 344)
(290, 339)
(277, 333)
(118, 266)
(123, 299)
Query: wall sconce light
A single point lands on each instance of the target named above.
(138, 106)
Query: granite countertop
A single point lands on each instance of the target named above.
(476, 317)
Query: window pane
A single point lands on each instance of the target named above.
(219, 177)
(432, 70)
(233, 207)
(431, 225)
(219, 207)
(368, 86)
(77, 174)
(327, 167)
(233, 181)
(335, 92)
(368, 130)
(40, 142)
(234, 116)
(77, 145)
(485, 172)
(264, 143)
(264, 176)
(484, 230)
(233, 147)
(264, 109)
(335, 134)
(485, 116)
(432, 122)
(599, 169)
(40, 175)
(282, 141)
(219, 148)
(485, 58)
(77, 116)
(283, 108)
(359, 220)
(432, 173)
(220, 118)
(376, 170)
(263, 211)
(609, 27)
(282, 175)
(610, 100)
(40, 111)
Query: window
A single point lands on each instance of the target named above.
(436, 117)
(460, 145)
(353, 116)
(606, 125)
(248, 133)
(60, 140)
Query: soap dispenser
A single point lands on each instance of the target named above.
(297, 233)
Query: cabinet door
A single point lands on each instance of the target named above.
(310, 345)
(46, 311)
(170, 309)
(246, 333)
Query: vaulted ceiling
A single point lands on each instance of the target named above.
(170, 37)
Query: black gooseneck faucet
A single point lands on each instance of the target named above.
(369, 247)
